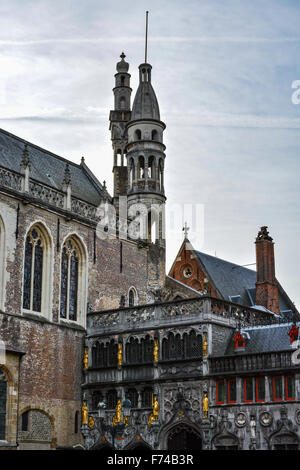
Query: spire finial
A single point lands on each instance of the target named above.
(25, 157)
(185, 229)
(67, 175)
(146, 39)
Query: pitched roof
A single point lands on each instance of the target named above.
(48, 168)
(260, 339)
(233, 280)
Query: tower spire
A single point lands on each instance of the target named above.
(146, 38)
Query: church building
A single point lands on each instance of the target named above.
(99, 348)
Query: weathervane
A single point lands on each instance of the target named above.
(186, 229)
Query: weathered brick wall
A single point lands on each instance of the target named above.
(51, 369)
(184, 259)
(105, 281)
(9, 364)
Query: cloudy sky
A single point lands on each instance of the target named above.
(223, 73)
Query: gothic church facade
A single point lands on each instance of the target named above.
(87, 319)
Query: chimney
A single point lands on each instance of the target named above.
(266, 284)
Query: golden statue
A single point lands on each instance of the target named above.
(205, 405)
(155, 350)
(91, 422)
(155, 406)
(118, 414)
(86, 358)
(205, 346)
(120, 354)
(84, 413)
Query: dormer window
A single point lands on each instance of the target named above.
(239, 340)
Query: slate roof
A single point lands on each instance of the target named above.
(145, 104)
(260, 339)
(84, 184)
(233, 280)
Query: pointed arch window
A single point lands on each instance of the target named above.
(132, 297)
(33, 270)
(69, 286)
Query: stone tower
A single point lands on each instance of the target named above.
(145, 165)
(118, 119)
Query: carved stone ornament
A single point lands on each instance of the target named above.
(297, 416)
(241, 420)
(266, 418)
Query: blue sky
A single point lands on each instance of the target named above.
(222, 72)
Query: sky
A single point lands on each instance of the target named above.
(223, 72)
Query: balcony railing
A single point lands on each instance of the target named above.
(251, 362)
(180, 311)
(44, 193)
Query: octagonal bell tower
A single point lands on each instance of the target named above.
(145, 153)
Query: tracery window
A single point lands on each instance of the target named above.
(69, 280)
(33, 270)
(111, 399)
(188, 347)
(133, 351)
(133, 396)
(96, 398)
(147, 396)
(105, 355)
(3, 394)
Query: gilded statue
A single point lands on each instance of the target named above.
(86, 358)
(118, 414)
(205, 346)
(91, 422)
(205, 405)
(154, 415)
(120, 354)
(84, 413)
(155, 350)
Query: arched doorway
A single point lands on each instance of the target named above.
(183, 437)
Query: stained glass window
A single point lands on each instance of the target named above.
(33, 271)
(69, 281)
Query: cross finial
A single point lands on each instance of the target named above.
(122, 56)
(186, 229)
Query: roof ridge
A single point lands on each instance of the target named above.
(225, 261)
(40, 148)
